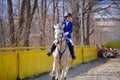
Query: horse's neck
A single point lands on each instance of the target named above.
(62, 45)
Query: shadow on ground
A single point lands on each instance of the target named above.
(74, 71)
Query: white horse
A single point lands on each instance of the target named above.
(62, 57)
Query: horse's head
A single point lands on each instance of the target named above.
(59, 32)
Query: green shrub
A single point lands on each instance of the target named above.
(113, 44)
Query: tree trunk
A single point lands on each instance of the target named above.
(63, 8)
(20, 22)
(27, 27)
(76, 21)
(54, 12)
(83, 21)
(29, 18)
(11, 23)
(88, 22)
(2, 29)
(57, 8)
(88, 29)
(42, 27)
(2, 34)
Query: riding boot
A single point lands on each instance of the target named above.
(72, 52)
(51, 50)
(71, 48)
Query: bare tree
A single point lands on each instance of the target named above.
(63, 7)
(20, 21)
(43, 22)
(76, 21)
(88, 22)
(57, 8)
(30, 13)
(24, 31)
(54, 11)
(2, 29)
(11, 23)
(23, 20)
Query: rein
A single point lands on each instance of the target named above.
(59, 50)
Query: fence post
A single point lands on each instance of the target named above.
(18, 52)
(82, 54)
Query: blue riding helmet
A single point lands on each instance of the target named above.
(67, 15)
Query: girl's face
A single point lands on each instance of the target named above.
(69, 18)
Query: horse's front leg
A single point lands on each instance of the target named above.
(65, 71)
(62, 74)
(55, 70)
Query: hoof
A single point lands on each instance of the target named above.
(65, 78)
(53, 78)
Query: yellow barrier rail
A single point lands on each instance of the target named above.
(8, 66)
(22, 62)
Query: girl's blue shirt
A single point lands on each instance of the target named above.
(68, 27)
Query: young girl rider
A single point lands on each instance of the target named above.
(68, 29)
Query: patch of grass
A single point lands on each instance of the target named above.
(113, 44)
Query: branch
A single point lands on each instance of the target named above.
(95, 10)
(91, 32)
(34, 7)
(48, 6)
(117, 19)
(100, 9)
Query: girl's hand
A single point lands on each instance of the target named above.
(66, 33)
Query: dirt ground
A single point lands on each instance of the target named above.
(101, 69)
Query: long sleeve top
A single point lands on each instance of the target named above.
(68, 27)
